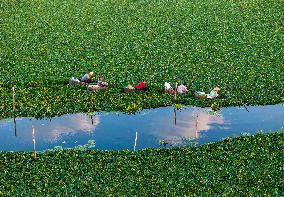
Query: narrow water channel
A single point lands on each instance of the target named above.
(116, 131)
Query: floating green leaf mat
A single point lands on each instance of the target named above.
(243, 166)
(235, 45)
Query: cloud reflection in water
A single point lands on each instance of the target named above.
(51, 131)
(188, 125)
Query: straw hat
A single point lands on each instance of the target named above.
(130, 87)
(216, 89)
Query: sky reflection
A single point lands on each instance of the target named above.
(116, 131)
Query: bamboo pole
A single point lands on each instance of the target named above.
(175, 116)
(15, 126)
(175, 98)
(34, 142)
(91, 107)
(92, 119)
(136, 137)
(175, 93)
(14, 108)
(196, 130)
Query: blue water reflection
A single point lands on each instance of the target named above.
(116, 131)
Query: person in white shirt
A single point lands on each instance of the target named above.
(168, 88)
(87, 78)
(213, 93)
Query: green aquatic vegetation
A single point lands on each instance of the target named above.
(90, 145)
(235, 45)
(177, 142)
(215, 106)
(246, 166)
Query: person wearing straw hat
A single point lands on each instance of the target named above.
(128, 88)
(213, 93)
(101, 85)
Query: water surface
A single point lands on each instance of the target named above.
(116, 131)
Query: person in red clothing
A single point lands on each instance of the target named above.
(142, 86)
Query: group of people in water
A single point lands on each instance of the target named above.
(88, 79)
(141, 86)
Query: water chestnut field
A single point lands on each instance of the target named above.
(236, 45)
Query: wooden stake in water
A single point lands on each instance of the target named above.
(92, 119)
(196, 130)
(175, 93)
(175, 98)
(175, 115)
(14, 106)
(91, 106)
(34, 142)
(135, 141)
(15, 126)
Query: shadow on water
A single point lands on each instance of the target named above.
(159, 127)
